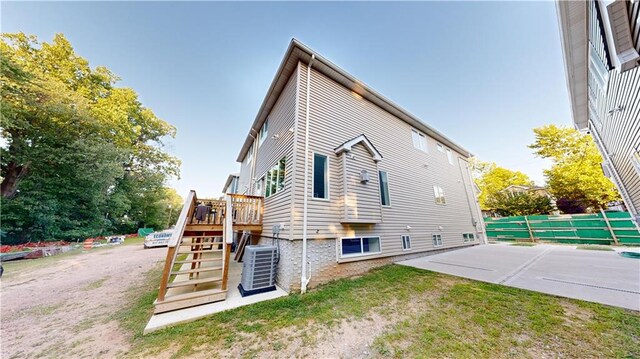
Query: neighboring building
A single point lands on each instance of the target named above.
(601, 42)
(353, 180)
(540, 191)
(231, 185)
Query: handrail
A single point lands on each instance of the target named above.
(182, 219)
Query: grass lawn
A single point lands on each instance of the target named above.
(595, 247)
(523, 244)
(394, 311)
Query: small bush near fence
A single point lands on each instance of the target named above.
(600, 228)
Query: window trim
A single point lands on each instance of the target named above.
(380, 188)
(264, 132)
(435, 238)
(449, 156)
(440, 147)
(421, 136)
(327, 173)
(408, 240)
(250, 155)
(468, 237)
(438, 192)
(265, 177)
(361, 254)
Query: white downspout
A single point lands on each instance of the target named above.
(252, 172)
(304, 281)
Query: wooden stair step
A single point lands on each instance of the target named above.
(183, 283)
(197, 270)
(200, 251)
(198, 260)
(191, 295)
(187, 300)
(196, 237)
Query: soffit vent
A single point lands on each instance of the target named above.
(621, 33)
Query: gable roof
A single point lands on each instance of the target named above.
(297, 51)
(346, 147)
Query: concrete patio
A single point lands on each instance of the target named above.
(596, 276)
(234, 300)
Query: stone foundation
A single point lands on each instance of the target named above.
(323, 266)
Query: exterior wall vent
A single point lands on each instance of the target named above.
(621, 33)
(258, 270)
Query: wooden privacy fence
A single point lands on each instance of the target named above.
(597, 228)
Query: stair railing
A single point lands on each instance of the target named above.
(174, 242)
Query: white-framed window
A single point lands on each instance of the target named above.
(320, 176)
(359, 246)
(384, 188)
(437, 240)
(598, 69)
(450, 156)
(260, 186)
(468, 237)
(438, 193)
(440, 147)
(635, 160)
(264, 132)
(274, 179)
(419, 140)
(250, 155)
(406, 242)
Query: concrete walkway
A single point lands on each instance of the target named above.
(596, 276)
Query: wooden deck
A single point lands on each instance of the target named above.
(197, 263)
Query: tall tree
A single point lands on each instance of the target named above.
(77, 150)
(492, 180)
(576, 175)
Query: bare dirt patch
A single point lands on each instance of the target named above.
(64, 309)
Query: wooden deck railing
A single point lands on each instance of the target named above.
(247, 210)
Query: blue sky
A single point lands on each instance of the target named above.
(483, 73)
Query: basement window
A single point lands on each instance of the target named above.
(406, 242)
(437, 240)
(359, 246)
(468, 237)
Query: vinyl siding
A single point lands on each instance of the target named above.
(361, 201)
(619, 132)
(277, 207)
(338, 115)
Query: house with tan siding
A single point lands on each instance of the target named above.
(352, 180)
(601, 48)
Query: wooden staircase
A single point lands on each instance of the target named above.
(196, 268)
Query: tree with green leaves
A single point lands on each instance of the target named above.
(492, 179)
(520, 204)
(576, 175)
(80, 155)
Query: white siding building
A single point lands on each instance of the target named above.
(601, 42)
(354, 180)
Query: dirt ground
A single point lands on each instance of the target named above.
(65, 308)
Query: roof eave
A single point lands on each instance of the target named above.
(572, 21)
(337, 74)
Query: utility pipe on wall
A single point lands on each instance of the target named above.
(304, 281)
